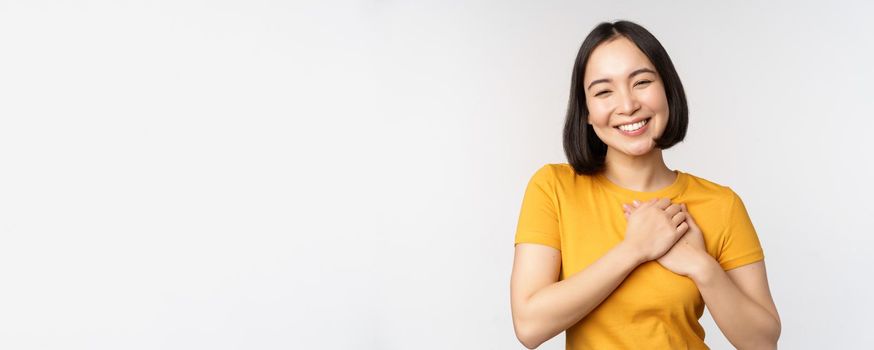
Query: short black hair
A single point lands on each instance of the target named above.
(585, 152)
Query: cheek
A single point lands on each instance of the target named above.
(598, 115)
(656, 100)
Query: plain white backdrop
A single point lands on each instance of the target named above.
(314, 175)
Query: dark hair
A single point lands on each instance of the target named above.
(585, 152)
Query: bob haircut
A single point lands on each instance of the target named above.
(585, 152)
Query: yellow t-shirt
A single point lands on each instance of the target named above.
(653, 308)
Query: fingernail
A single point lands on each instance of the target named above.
(636, 202)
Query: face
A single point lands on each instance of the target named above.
(626, 98)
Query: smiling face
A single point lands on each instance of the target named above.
(625, 96)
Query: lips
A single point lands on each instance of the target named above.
(634, 128)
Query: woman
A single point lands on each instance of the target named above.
(615, 247)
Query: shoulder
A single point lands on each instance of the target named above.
(712, 189)
(559, 174)
(722, 198)
(559, 171)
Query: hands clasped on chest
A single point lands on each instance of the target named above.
(666, 232)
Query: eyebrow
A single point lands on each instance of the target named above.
(636, 72)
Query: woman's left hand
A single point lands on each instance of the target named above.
(688, 255)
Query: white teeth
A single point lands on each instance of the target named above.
(633, 127)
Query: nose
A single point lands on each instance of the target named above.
(628, 103)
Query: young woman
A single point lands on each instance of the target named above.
(615, 247)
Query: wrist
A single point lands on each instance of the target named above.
(706, 268)
(631, 253)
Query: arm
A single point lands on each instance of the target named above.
(543, 307)
(740, 302)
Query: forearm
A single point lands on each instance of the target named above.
(560, 305)
(746, 324)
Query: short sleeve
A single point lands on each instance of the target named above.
(740, 243)
(538, 218)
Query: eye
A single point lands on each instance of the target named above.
(642, 82)
(602, 92)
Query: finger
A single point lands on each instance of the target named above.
(673, 210)
(678, 219)
(636, 203)
(648, 203)
(682, 229)
(627, 215)
(689, 218)
(663, 203)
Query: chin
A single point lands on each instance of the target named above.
(640, 151)
(638, 154)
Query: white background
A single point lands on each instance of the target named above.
(275, 175)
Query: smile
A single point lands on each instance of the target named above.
(634, 128)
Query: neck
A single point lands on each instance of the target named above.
(646, 173)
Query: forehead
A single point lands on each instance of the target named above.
(615, 59)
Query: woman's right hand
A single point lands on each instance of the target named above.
(654, 227)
